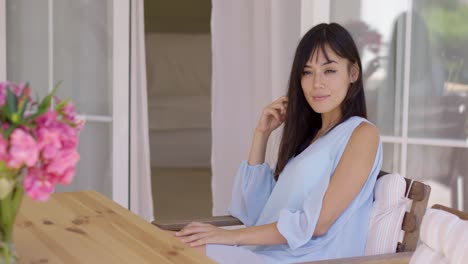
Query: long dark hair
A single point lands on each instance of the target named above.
(302, 122)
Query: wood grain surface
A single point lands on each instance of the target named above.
(87, 227)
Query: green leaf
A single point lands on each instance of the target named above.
(12, 102)
(45, 103)
(6, 111)
(61, 105)
(7, 133)
(23, 103)
(22, 110)
(56, 86)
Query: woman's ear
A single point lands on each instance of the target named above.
(354, 73)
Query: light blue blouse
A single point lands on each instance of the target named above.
(295, 201)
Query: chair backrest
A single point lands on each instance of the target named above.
(418, 192)
(460, 214)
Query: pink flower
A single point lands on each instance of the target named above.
(79, 124)
(48, 141)
(68, 137)
(67, 177)
(37, 185)
(3, 92)
(46, 146)
(70, 114)
(47, 119)
(23, 149)
(63, 166)
(69, 111)
(16, 89)
(3, 148)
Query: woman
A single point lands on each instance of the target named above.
(316, 203)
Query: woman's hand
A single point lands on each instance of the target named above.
(197, 234)
(273, 115)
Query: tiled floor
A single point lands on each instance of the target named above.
(181, 193)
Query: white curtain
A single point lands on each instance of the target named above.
(253, 44)
(141, 201)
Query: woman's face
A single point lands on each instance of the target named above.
(325, 83)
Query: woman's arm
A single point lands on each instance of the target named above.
(258, 148)
(260, 235)
(197, 234)
(272, 117)
(350, 175)
(347, 181)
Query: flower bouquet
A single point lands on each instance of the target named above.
(38, 149)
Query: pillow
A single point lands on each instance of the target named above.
(426, 255)
(387, 215)
(442, 236)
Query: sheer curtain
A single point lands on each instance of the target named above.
(253, 45)
(141, 201)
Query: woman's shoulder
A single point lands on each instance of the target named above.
(357, 119)
(364, 135)
(349, 122)
(357, 130)
(363, 141)
(365, 132)
(353, 122)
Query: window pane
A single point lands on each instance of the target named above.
(94, 168)
(379, 36)
(27, 40)
(83, 54)
(445, 169)
(82, 58)
(439, 72)
(391, 157)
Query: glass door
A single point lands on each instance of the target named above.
(414, 67)
(85, 45)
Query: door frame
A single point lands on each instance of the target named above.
(121, 103)
(2, 40)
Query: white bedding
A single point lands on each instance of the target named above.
(182, 148)
(179, 99)
(178, 64)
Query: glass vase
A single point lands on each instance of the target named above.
(9, 205)
(8, 253)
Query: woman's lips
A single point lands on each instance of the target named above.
(320, 98)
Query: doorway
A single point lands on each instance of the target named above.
(178, 59)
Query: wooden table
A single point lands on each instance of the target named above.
(87, 227)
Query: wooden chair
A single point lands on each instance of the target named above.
(419, 194)
(460, 214)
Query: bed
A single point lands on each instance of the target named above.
(179, 99)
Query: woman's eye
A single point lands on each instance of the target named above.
(330, 71)
(306, 73)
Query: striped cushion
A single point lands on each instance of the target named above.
(442, 234)
(387, 215)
